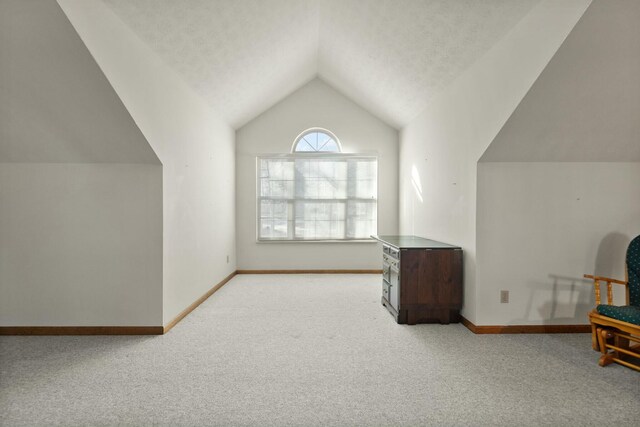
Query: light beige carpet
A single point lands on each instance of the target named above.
(311, 350)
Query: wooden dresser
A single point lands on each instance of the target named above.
(421, 279)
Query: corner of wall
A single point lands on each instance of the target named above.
(441, 147)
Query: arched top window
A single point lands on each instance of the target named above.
(316, 192)
(316, 140)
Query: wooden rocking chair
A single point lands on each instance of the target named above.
(615, 330)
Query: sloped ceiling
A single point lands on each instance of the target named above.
(56, 105)
(390, 56)
(585, 106)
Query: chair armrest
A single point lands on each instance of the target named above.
(609, 281)
(605, 279)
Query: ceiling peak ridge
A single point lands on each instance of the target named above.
(389, 57)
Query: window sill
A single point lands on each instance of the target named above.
(318, 241)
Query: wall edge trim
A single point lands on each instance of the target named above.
(197, 302)
(81, 330)
(309, 271)
(112, 330)
(526, 329)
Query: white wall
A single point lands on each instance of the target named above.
(56, 105)
(314, 105)
(440, 148)
(195, 146)
(80, 188)
(589, 93)
(541, 226)
(80, 244)
(567, 214)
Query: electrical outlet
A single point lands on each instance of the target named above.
(227, 259)
(504, 297)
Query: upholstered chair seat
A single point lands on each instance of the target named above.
(626, 313)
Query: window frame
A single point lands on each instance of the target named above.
(313, 155)
(313, 130)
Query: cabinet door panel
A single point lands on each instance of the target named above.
(409, 276)
(456, 277)
(394, 291)
(440, 284)
(432, 291)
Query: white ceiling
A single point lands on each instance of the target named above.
(390, 56)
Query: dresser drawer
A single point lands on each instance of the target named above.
(390, 262)
(385, 290)
(386, 272)
(389, 250)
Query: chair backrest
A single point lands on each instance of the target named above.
(633, 271)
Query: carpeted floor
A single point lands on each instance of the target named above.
(311, 350)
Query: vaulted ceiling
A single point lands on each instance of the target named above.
(390, 56)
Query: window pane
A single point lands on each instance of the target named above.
(319, 220)
(279, 189)
(274, 229)
(316, 198)
(278, 169)
(321, 179)
(362, 219)
(317, 141)
(274, 209)
(319, 230)
(320, 210)
(361, 229)
(312, 139)
(329, 147)
(274, 219)
(304, 146)
(276, 178)
(363, 179)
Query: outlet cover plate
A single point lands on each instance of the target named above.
(504, 297)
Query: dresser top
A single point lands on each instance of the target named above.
(413, 242)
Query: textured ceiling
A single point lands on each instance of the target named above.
(241, 55)
(390, 56)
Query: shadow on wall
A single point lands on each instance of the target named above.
(611, 255)
(572, 297)
(570, 301)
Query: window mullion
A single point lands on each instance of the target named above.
(259, 213)
(295, 199)
(346, 209)
(350, 184)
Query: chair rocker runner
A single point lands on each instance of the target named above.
(615, 330)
